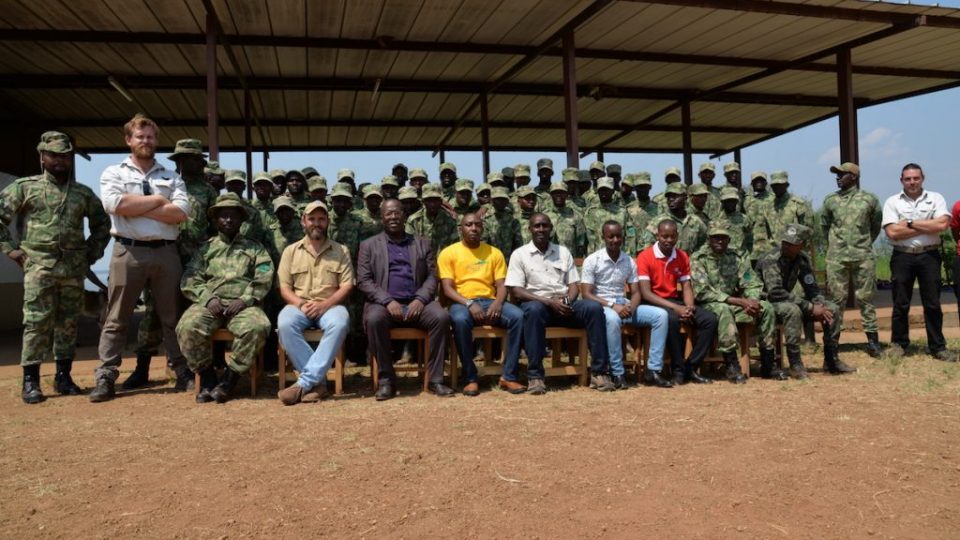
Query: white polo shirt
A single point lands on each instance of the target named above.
(118, 180)
(547, 274)
(929, 205)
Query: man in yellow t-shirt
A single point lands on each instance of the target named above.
(472, 274)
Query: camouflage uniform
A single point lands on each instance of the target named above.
(759, 208)
(523, 217)
(370, 224)
(699, 189)
(282, 235)
(788, 209)
(500, 229)
(568, 227)
(597, 215)
(441, 230)
(850, 221)
(345, 230)
(691, 230)
(736, 223)
(463, 184)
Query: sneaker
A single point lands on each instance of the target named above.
(945, 356)
(536, 387)
(317, 393)
(601, 382)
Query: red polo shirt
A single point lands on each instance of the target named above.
(663, 272)
(955, 225)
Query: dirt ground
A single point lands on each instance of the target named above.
(873, 454)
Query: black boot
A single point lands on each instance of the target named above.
(797, 370)
(734, 375)
(141, 374)
(63, 382)
(653, 378)
(208, 380)
(103, 392)
(768, 366)
(31, 393)
(873, 345)
(184, 381)
(833, 364)
(221, 392)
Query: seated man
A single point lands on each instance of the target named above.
(543, 277)
(781, 270)
(397, 274)
(227, 281)
(606, 273)
(316, 277)
(660, 268)
(472, 274)
(728, 287)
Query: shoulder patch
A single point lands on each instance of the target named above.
(809, 279)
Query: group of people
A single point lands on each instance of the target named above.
(593, 251)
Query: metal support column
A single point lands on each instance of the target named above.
(570, 100)
(485, 135)
(213, 120)
(736, 157)
(266, 160)
(849, 150)
(600, 156)
(687, 143)
(443, 157)
(248, 143)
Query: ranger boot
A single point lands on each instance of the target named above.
(768, 366)
(221, 392)
(141, 374)
(208, 380)
(797, 370)
(734, 375)
(873, 345)
(833, 364)
(63, 382)
(31, 393)
(184, 380)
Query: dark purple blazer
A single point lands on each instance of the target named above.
(373, 269)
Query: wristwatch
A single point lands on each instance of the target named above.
(909, 223)
(468, 303)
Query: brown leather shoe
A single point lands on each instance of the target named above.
(512, 386)
(291, 395)
(317, 393)
(471, 389)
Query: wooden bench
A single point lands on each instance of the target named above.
(335, 373)
(639, 338)
(423, 354)
(222, 334)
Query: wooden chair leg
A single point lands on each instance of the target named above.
(584, 365)
(745, 351)
(423, 350)
(374, 372)
(255, 371)
(338, 382)
(282, 367)
(454, 370)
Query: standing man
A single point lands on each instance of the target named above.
(54, 257)
(500, 228)
(568, 225)
(315, 277)
(737, 224)
(146, 203)
(397, 274)
(692, 230)
(850, 219)
(913, 220)
(431, 221)
(545, 174)
(955, 229)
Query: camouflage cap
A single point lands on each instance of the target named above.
(628, 179)
(698, 189)
(418, 173)
(523, 192)
(642, 178)
(779, 177)
(758, 174)
(598, 166)
(495, 177)
(262, 176)
(847, 167)
(508, 172)
(521, 169)
(544, 163)
(584, 176)
(729, 193)
(345, 173)
(677, 188)
(398, 166)
(56, 142)
(283, 201)
(730, 167)
(448, 167)
(500, 193)
(315, 205)
(316, 182)
(236, 175)
(464, 185)
(558, 186)
(613, 168)
(308, 171)
(673, 171)
(407, 192)
(187, 147)
(389, 180)
(227, 200)
(213, 167)
(431, 191)
(295, 172)
(708, 166)
(372, 190)
(796, 234)
(341, 189)
(483, 187)
(604, 182)
(718, 230)
(278, 173)
(570, 175)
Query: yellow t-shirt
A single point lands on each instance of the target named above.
(473, 271)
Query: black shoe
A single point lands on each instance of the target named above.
(440, 389)
(695, 378)
(679, 378)
(221, 392)
(103, 392)
(620, 382)
(734, 375)
(873, 345)
(385, 391)
(63, 382)
(141, 374)
(653, 378)
(797, 369)
(184, 381)
(31, 393)
(769, 368)
(203, 396)
(833, 364)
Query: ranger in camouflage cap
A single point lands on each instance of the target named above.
(502, 193)
(407, 192)
(389, 180)
(227, 200)
(545, 163)
(283, 202)
(779, 177)
(628, 179)
(642, 178)
(570, 175)
(372, 189)
(262, 176)
(614, 169)
(698, 189)
(346, 173)
(731, 167)
(524, 191)
(56, 142)
(187, 147)
(718, 230)
(521, 169)
(342, 189)
(448, 167)
(558, 186)
(277, 173)
(418, 173)
(847, 167)
(728, 193)
(605, 182)
(309, 172)
(598, 166)
(796, 234)
(673, 171)
(213, 167)
(464, 185)
(236, 175)
(430, 191)
(676, 187)
(484, 187)
(316, 182)
(495, 178)
(708, 166)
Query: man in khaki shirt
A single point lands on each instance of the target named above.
(316, 278)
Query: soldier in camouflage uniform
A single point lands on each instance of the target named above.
(485, 197)
(527, 201)
(344, 227)
(758, 206)
(731, 171)
(399, 171)
(672, 175)
(568, 228)
(588, 195)
(784, 268)
(448, 182)
(571, 178)
(606, 210)
(347, 176)
(787, 208)
(597, 171)
(317, 189)
(616, 172)
(636, 214)
(521, 177)
(463, 202)
(707, 173)
(54, 257)
(850, 219)
(369, 217)
(253, 227)
(309, 172)
(500, 229)
(691, 230)
(227, 282)
(214, 175)
(286, 227)
(641, 190)
(545, 174)
(263, 198)
(734, 221)
(410, 201)
(389, 187)
(279, 177)
(728, 287)
(432, 222)
(297, 189)
(418, 179)
(697, 203)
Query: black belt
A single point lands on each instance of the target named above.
(144, 243)
(916, 250)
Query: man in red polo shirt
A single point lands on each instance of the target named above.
(660, 268)
(955, 227)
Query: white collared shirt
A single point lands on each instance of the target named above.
(547, 274)
(119, 180)
(929, 205)
(608, 276)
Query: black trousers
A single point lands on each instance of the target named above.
(706, 324)
(434, 319)
(905, 270)
(956, 281)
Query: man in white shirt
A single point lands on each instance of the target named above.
(913, 220)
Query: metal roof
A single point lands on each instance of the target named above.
(406, 74)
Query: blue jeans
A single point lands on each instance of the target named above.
(645, 315)
(312, 364)
(511, 318)
(586, 314)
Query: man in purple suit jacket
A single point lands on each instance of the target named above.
(397, 273)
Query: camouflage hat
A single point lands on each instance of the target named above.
(56, 142)
(718, 230)
(262, 176)
(524, 191)
(642, 178)
(730, 167)
(372, 190)
(236, 175)
(508, 172)
(677, 188)
(418, 173)
(431, 191)
(495, 177)
(613, 168)
(227, 200)
(448, 167)
(847, 167)
(295, 172)
(187, 147)
(408, 192)
(570, 175)
(278, 173)
(213, 167)
(544, 163)
(316, 182)
(729, 193)
(283, 201)
(500, 193)
(389, 180)
(341, 189)
(796, 234)
(628, 179)
(398, 166)
(584, 176)
(308, 171)
(521, 169)
(758, 174)
(598, 166)
(315, 205)
(708, 166)
(464, 185)
(698, 189)
(558, 186)
(604, 182)
(673, 171)
(483, 187)
(779, 177)
(345, 173)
